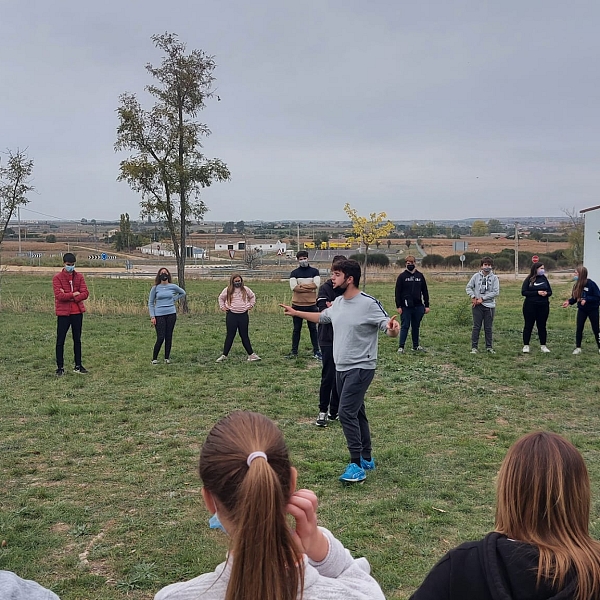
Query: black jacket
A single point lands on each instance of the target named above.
(530, 290)
(495, 568)
(326, 294)
(411, 290)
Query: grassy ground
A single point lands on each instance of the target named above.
(100, 497)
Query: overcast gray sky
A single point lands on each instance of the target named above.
(430, 109)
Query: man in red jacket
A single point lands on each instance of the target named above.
(69, 293)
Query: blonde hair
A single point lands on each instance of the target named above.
(543, 499)
(266, 562)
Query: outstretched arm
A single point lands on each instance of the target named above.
(292, 312)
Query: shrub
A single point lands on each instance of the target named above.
(51, 239)
(503, 264)
(432, 260)
(460, 314)
(452, 261)
(378, 260)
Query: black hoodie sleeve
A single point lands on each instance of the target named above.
(425, 291)
(437, 583)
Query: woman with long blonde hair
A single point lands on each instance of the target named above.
(541, 548)
(250, 488)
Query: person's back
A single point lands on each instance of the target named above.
(12, 587)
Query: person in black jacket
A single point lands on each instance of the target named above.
(329, 399)
(541, 548)
(412, 302)
(536, 307)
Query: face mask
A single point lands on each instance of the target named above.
(164, 277)
(214, 523)
(410, 267)
(237, 284)
(486, 269)
(575, 277)
(303, 262)
(541, 271)
(69, 268)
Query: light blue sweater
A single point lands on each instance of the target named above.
(162, 299)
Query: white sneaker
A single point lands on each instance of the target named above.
(167, 361)
(252, 357)
(526, 349)
(154, 362)
(577, 351)
(473, 350)
(545, 349)
(221, 358)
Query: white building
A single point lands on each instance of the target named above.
(166, 249)
(591, 243)
(241, 246)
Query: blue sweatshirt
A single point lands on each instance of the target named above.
(591, 295)
(162, 299)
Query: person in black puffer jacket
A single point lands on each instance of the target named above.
(536, 307)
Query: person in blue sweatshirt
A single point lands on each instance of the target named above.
(163, 313)
(587, 297)
(536, 307)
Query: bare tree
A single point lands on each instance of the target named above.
(15, 184)
(575, 234)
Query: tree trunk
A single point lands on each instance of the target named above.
(364, 274)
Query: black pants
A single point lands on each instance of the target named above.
(411, 319)
(594, 316)
(75, 322)
(535, 314)
(312, 329)
(482, 315)
(237, 322)
(329, 400)
(164, 333)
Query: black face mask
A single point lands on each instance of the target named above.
(164, 277)
(410, 267)
(237, 284)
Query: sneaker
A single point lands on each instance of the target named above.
(367, 465)
(333, 417)
(353, 474)
(154, 362)
(60, 372)
(80, 369)
(474, 350)
(322, 420)
(221, 358)
(419, 349)
(577, 351)
(491, 350)
(526, 349)
(167, 361)
(253, 357)
(400, 350)
(545, 349)
(292, 356)
(317, 355)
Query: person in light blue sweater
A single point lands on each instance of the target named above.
(163, 313)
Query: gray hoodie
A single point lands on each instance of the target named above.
(13, 587)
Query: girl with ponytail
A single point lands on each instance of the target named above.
(250, 488)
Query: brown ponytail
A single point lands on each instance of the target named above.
(581, 282)
(266, 562)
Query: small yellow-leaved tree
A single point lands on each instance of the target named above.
(367, 231)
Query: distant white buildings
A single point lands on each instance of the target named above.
(242, 245)
(166, 249)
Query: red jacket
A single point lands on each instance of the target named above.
(65, 284)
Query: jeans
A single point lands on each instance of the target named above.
(352, 386)
(411, 318)
(485, 315)
(75, 322)
(328, 396)
(537, 314)
(164, 333)
(312, 329)
(237, 322)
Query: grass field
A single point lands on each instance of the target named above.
(100, 496)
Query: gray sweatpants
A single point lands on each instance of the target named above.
(352, 386)
(485, 315)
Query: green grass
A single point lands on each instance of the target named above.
(100, 496)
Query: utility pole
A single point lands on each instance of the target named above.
(298, 237)
(516, 249)
(19, 220)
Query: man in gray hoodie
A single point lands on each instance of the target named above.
(13, 587)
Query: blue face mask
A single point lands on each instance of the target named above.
(575, 277)
(541, 271)
(214, 523)
(69, 268)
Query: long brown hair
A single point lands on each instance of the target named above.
(231, 288)
(582, 278)
(157, 279)
(543, 498)
(533, 272)
(266, 563)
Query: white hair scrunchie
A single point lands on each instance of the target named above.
(254, 455)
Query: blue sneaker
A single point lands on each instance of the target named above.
(353, 474)
(367, 465)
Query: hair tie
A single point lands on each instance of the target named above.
(254, 455)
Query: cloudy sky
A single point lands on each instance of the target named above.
(429, 109)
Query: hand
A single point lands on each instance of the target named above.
(153, 321)
(582, 302)
(399, 309)
(328, 304)
(75, 294)
(62, 291)
(288, 310)
(426, 309)
(542, 292)
(565, 304)
(224, 309)
(393, 326)
(309, 538)
(474, 302)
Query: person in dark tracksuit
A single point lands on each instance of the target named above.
(536, 307)
(412, 303)
(329, 399)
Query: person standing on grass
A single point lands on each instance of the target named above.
(235, 301)
(304, 283)
(587, 297)
(163, 313)
(412, 303)
(483, 288)
(329, 399)
(70, 291)
(249, 486)
(541, 548)
(536, 307)
(356, 318)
